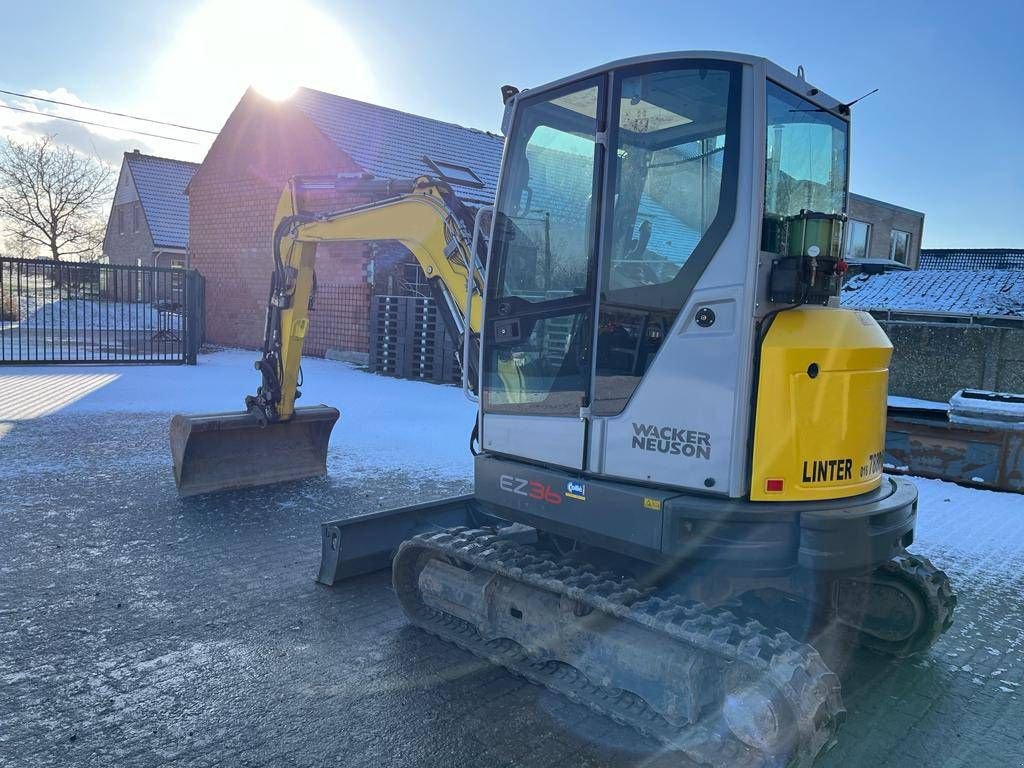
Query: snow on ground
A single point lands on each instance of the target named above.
(985, 529)
(977, 537)
(73, 314)
(387, 424)
(393, 424)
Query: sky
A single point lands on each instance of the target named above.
(942, 135)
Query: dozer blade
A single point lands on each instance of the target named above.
(227, 451)
(365, 543)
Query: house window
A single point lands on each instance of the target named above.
(899, 245)
(135, 218)
(177, 279)
(858, 238)
(120, 221)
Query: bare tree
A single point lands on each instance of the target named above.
(19, 247)
(52, 196)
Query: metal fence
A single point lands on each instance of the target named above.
(65, 312)
(337, 320)
(971, 258)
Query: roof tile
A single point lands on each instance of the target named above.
(391, 144)
(161, 183)
(998, 292)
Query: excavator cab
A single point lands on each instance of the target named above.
(610, 184)
(654, 216)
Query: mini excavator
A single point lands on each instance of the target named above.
(679, 433)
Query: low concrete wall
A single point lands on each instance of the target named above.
(932, 361)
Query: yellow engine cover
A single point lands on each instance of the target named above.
(821, 406)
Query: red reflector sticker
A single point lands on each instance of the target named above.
(773, 486)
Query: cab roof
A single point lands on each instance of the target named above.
(770, 70)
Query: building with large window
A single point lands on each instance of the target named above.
(878, 231)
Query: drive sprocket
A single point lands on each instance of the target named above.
(901, 608)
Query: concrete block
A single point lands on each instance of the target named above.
(348, 356)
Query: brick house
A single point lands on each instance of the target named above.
(233, 195)
(148, 227)
(148, 222)
(878, 232)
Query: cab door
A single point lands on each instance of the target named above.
(539, 320)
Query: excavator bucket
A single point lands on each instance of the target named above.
(226, 451)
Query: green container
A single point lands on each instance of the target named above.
(822, 230)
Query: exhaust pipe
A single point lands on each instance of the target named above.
(228, 451)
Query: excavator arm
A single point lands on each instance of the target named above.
(273, 440)
(422, 214)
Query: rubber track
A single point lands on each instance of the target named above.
(794, 669)
(939, 598)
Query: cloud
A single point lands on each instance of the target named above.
(78, 136)
(218, 49)
(108, 144)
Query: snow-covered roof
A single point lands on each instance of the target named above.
(997, 292)
(161, 182)
(392, 144)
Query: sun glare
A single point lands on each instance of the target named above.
(226, 46)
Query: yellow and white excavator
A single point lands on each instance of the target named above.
(678, 477)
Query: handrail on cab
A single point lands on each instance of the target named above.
(474, 397)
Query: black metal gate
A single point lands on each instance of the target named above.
(65, 312)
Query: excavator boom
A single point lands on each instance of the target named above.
(273, 440)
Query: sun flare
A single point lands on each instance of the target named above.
(225, 46)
